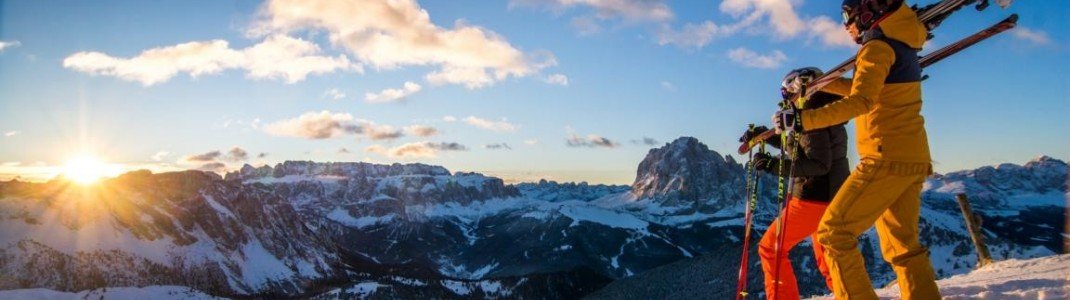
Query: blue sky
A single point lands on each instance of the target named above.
(572, 87)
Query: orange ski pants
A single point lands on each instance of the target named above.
(802, 220)
(887, 194)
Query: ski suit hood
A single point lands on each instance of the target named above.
(902, 25)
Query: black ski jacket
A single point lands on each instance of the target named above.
(821, 166)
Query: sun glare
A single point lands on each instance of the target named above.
(85, 169)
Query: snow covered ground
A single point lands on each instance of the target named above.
(157, 292)
(1038, 278)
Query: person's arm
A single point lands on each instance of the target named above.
(839, 87)
(871, 68)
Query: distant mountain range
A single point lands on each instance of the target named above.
(333, 230)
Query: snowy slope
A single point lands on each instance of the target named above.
(158, 292)
(1038, 278)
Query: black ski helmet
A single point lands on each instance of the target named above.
(866, 13)
(794, 81)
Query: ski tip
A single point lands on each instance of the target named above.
(1012, 19)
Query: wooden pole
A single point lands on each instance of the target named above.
(973, 225)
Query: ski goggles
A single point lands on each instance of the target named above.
(847, 18)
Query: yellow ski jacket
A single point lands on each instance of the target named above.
(884, 96)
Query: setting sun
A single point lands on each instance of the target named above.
(86, 169)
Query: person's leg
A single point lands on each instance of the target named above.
(802, 218)
(866, 194)
(898, 231)
(819, 259)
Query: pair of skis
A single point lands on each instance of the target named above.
(931, 16)
(925, 61)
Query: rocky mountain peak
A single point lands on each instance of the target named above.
(686, 171)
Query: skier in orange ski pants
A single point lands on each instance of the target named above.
(820, 167)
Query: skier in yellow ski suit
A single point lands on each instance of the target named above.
(884, 99)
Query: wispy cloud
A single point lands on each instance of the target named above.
(693, 36)
(668, 86)
(236, 154)
(11, 133)
(278, 57)
(325, 125)
(647, 141)
(449, 119)
(1036, 37)
(416, 150)
(393, 95)
(159, 156)
(499, 126)
(558, 79)
(421, 130)
(531, 142)
(334, 94)
(378, 132)
(203, 157)
(591, 141)
(498, 146)
(748, 58)
(777, 18)
(388, 34)
(627, 10)
(4, 45)
(314, 125)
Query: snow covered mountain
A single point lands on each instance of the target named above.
(414, 230)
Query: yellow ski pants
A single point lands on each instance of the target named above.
(888, 194)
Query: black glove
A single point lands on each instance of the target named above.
(766, 163)
(785, 120)
(751, 133)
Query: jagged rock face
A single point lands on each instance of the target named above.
(687, 172)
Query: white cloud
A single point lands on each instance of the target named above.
(449, 119)
(388, 34)
(749, 58)
(11, 133)
(159, 156)
(9, 44)
(334, 94)
(829, 32)
(780, 13)
(416, 150)
(421, 130)
(277, 57)
(531, 142)
(558, 79)
(393, 95)
(314, 125)
(1034, 36)
(499, 126)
